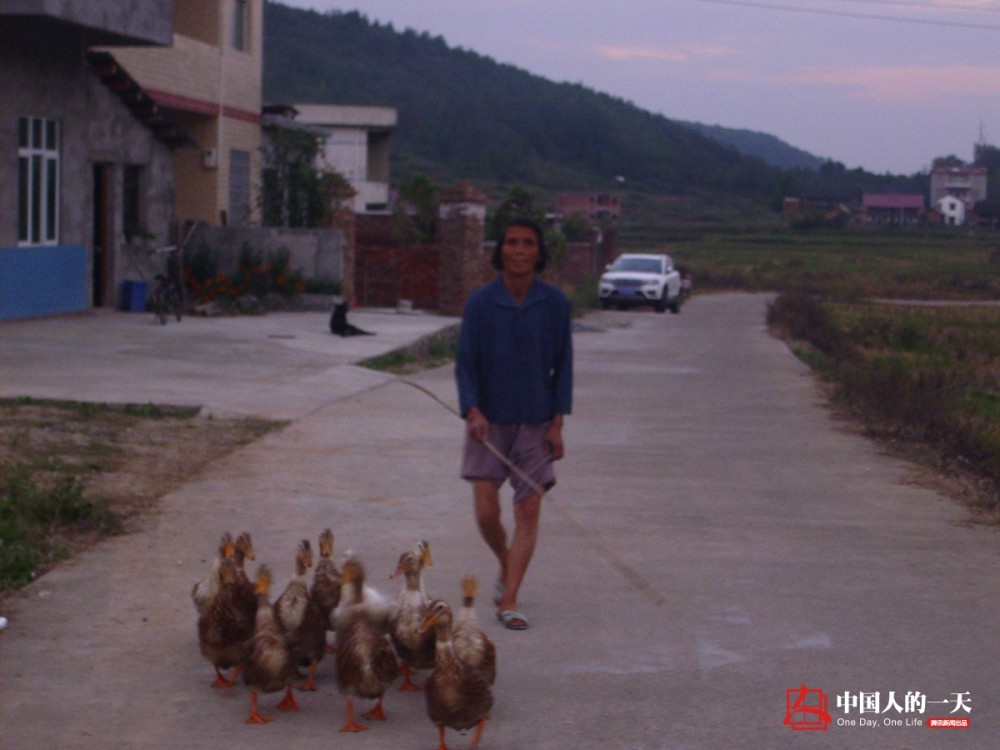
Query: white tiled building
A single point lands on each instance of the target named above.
(357, 146)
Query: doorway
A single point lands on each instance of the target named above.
(101, 240)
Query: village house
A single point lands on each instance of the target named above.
(892, 209)
(597, 207)
(356, 146)
(127, 122)
(953, 184)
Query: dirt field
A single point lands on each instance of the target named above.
(123, 458)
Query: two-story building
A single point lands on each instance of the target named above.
(356, 146)
(953, 184)
(119, 121)
(74, 161)
(209, 79)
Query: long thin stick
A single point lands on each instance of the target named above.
(614, 560)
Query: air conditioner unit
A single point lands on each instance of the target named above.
(210, 158)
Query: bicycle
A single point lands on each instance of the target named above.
(168, 298)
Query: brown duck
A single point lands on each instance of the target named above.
(472, 645)
(268, 665)
(207, 588)
(225, 626)
(301, 618)
(325, 589)
(366, 662)
(414, 648)
(457, 695)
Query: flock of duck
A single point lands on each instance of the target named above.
(375, 640)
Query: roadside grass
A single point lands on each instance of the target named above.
(915, 376)
(434, 350)
(923, 377)
(847, 264)
(72, 473)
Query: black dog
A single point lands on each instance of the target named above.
(339, 325)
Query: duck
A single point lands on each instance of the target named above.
(366, 662)
(225, 626)
(301, 618)
(457, 695)
(415, 649)
(268, 663)
(472, 645)
(207, 588)
(378, 606)
(243, 551)
(325, 589)
(423, 550)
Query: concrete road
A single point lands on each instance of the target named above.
(716, 540)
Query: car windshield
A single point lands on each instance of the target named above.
(641, 265)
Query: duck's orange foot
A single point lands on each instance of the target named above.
(409, 686)
(310, 683)
(257, 718)
(479, 731)
(221, 681)
(353, 726)
(377, 713)
(288, 702)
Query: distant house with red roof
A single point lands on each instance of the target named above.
(592, 206)
(897, 209)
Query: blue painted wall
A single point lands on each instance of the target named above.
(43, 281)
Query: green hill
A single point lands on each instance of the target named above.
(771, 149)
(463, 116)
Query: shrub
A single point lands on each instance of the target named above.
(31, 516)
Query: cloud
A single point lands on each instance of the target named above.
(908, 84)
(680, 54)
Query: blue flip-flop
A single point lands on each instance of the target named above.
(513, 620)
(498, 590)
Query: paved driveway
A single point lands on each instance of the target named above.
(716, 539)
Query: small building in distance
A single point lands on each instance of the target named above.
(598, 207)
(896, 209)
(966, 183)
(952, 210)
(357, 147)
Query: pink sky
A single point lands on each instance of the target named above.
(886, 85)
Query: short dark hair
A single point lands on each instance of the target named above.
(543, 253)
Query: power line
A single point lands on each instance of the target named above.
(928, 6)
(859, 15)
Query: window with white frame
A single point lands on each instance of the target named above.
(38, 181)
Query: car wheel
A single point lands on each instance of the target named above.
(661, 304)
(605, 304)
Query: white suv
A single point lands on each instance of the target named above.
(641, 279)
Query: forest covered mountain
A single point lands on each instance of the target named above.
(770, 148)
(463, 116)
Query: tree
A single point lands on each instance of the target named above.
(519, 203)
(989, 157)
(421, 193)
(294, 192)
(948, 161)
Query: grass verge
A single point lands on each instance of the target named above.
(72, 473)
(924, 379)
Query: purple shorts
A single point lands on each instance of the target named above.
(523, 445)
